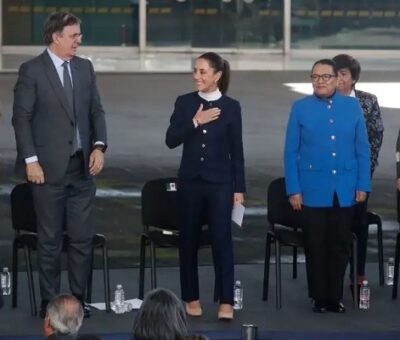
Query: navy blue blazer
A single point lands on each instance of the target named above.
(327, 151)
(213, 151)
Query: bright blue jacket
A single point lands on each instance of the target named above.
(213, 151)
(327, 151)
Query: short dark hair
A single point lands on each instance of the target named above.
(161, 317)
(329, 62)
(56, 22)
(349, 62)
(219, 64)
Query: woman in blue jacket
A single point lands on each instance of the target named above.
(327, 170)
(211, 177)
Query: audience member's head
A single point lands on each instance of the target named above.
(161, 317)
(196, 337)
(64, 316)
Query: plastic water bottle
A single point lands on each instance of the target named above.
(390, 271)
(364, 295)
(237, 295)
(119, 300)
(6, 281)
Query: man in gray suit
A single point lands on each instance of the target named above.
(61, 139)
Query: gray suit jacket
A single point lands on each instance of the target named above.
(43, 120)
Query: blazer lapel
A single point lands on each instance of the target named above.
(55, 82)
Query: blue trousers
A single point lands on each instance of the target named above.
(200, 202)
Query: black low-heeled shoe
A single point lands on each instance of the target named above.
(337, 307)
(319, 307)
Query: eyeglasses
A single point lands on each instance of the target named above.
(74, 36)
(324, 77)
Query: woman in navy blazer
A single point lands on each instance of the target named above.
(327, 170)
(211, 177)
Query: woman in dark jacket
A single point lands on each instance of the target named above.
(349, 70)
(211, 176)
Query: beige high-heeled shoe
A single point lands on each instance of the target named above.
(193, 308)
(225, 311)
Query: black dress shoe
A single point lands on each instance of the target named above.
(319, 307)
(43, 308)
(337, 307)
(85, 306)
(86, 310)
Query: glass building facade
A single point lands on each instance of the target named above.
(230, 24)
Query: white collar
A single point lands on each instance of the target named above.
(57, 61)
(210, 96)
(352, 93)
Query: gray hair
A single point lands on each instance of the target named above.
(65, 314)
(161, 317)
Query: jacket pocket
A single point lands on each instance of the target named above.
(310, 166)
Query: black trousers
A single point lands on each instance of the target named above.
(65, 207)
(327, 238)
(201, 201)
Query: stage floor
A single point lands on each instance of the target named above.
(295, 316)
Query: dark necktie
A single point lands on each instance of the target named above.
(68, 86)
(70, 97)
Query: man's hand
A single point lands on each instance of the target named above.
(238, 198)
(296, 201)
(361, 196)
(34, 173)
(206, 116)
(96, 162)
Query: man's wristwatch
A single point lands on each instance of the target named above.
(101, 147)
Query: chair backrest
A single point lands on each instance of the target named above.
(398, 205)
(22, 210)
(160, 203)
(279, 209)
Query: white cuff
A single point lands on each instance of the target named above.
(31, 159)
(99, 142)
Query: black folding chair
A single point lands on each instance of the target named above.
(285, 230)
(160, 219)
(374, 219)
(24, 223)
(397, 252)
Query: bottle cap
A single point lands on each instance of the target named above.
(237, 282)
(365, 282)
(5, 269)
(119, 286)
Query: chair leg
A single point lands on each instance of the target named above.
(106, 277)
(31, 285)
(396, 267)
(216, 292)
(278, 277)
(354, 278)
(380, 253)
(153, 265)
(142, 264)
(267, 259)
(90, 279)
(294, 274)
(15, 274)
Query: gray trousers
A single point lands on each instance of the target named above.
(65, 207)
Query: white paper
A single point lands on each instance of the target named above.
(237, 214)
(136, 303)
